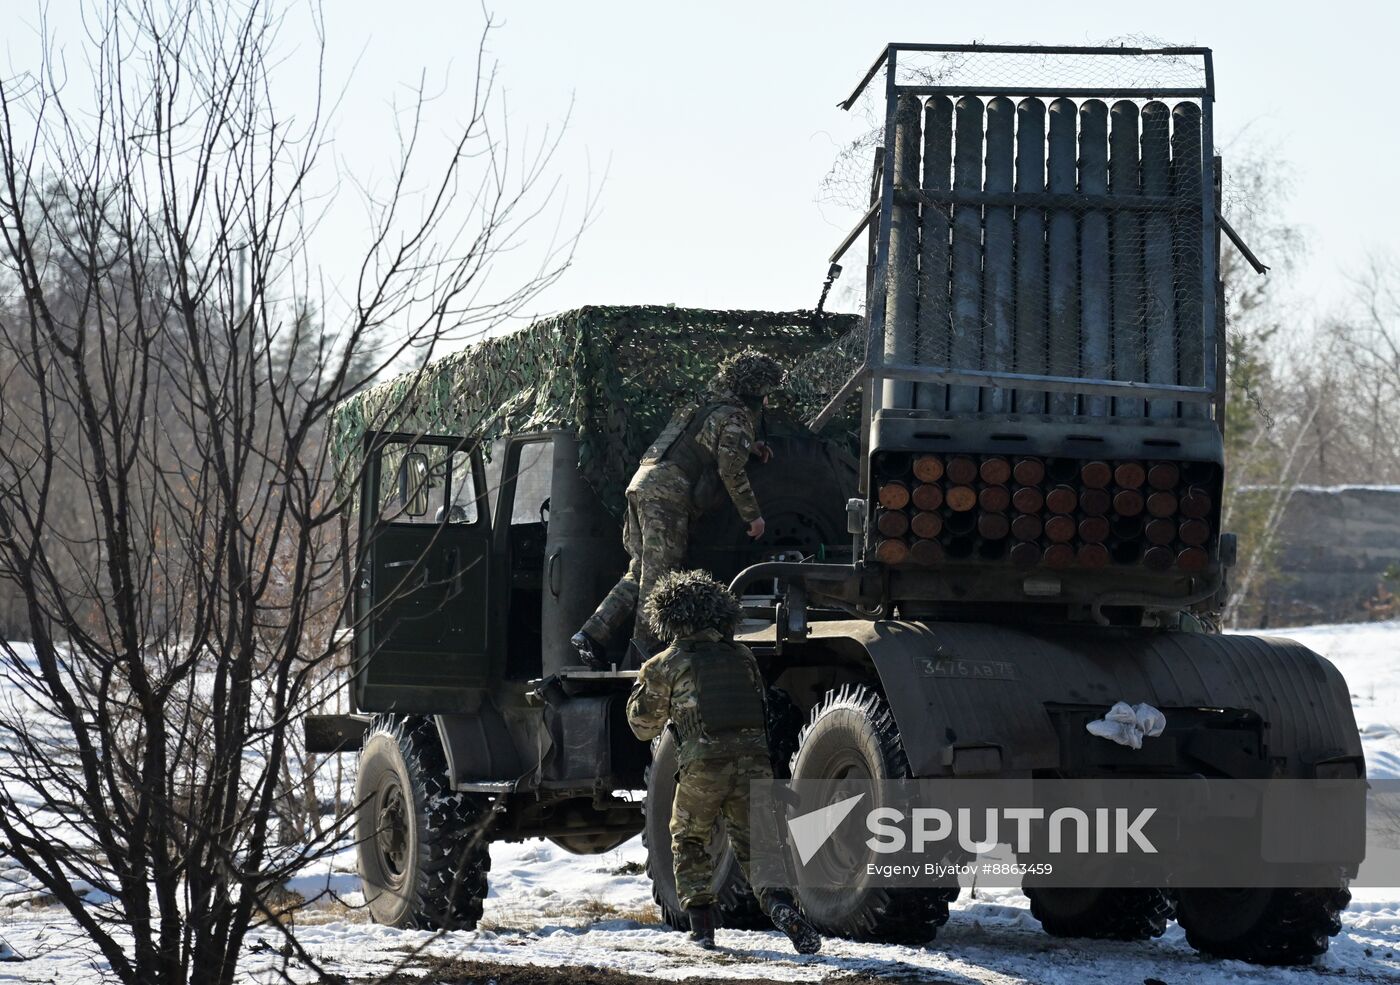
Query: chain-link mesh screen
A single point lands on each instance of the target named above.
(1045, 236)
(816, 377)
(1158, 69)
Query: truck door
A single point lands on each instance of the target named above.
(422, 605)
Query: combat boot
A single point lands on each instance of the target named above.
(804, 937)
(589, 651)
(702, 926)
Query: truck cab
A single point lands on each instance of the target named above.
(471, 581)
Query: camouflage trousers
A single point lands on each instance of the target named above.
(710, 790)
(656, 536)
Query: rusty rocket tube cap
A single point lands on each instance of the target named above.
(1027, 526)
(962, 470)
(995, 470)
(1128, 502)
(1193, 533)
(1029, 471)
(1130, 475)
(960, 499)
(1163, 475)
(928, 468)
(926, 552)
(1025, 553)
(1196, 503)
(1028, 499)
(1161, 504)
(1160, 531)
(1060, 529)
(1096, 475)
(926, 525)
(994, 499)
(892, 523)
(1093, 529)
(1061, 499)
(1158, 558)
(893, 495)
(1192, 559)
(1092, 555)
(928, 496)
(891, 552)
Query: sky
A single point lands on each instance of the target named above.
(701, 133)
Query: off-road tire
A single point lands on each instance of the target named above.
(1123, 914)
(1262, 926)
(423, 850)
(852, 732)
(735, 904)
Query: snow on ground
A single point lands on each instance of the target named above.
(553, 909)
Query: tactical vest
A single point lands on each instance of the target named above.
(729, 693)
(676, 443)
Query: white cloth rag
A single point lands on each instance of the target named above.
(1126, 724)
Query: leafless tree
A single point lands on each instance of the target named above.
(1367, 342)
(168, 522)
(1274, 397)
(1330, 422)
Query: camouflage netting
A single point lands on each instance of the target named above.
(612, 374)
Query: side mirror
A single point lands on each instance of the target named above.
(413, 483)
(1229, 550)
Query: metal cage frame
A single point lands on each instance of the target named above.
(875, 368)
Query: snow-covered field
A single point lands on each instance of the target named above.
(595, 912)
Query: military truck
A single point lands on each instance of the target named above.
(994, 510)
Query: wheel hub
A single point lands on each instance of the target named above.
(391, 831)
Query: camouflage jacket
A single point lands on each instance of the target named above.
(711, 690)
(718, 445)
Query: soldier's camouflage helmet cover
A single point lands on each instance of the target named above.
(750, 373)
(685, 603)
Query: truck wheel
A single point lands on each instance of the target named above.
(1102, 914)
(852, 735)
(423, 851)
(803, 492)
(737, 906)
(1262, 926)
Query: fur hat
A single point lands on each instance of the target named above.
(685, 603)
(750, 373)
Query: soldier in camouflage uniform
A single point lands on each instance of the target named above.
(698, 457)
(709, 689)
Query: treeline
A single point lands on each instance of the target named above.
(1313, 398)
(295, 351)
